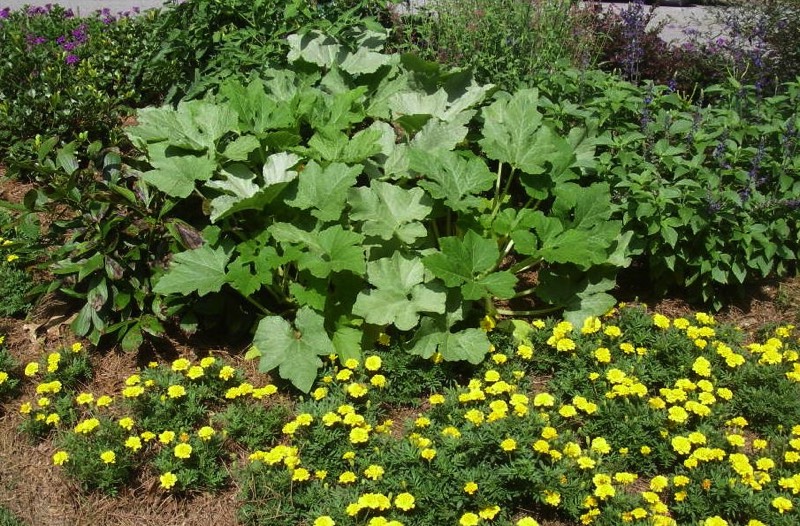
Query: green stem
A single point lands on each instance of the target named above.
(525, 264)
(523, 293)
(257, 305)
(536, 312)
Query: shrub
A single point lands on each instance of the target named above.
(64, 76)
(506, 42)
(204, 42)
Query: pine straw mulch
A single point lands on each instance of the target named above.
(41, 495)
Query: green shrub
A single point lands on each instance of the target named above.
(507, 42)
(204, 42)
(350, 196)
(64, 76)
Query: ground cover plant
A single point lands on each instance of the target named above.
(643, 419)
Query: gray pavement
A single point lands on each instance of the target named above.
(87, 7)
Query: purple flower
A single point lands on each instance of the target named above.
(69, 46)
(5, 13)
(33, 40)
(79, 34)
(69, 13)
(72, 59)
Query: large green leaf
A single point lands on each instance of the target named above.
(466, 263)
(200, 270)
(241, 192)
(331, 250)
(513, 132)
(324, 190)
(400, 294)
(388, 211)
(434, 336)
(176, 175)
(581, 294)
(294, 350)
(452, 178)
(195, 125)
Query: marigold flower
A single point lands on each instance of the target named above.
(207, 362)
(183, 451)
(527, 521)
(195, 372)
(508, 444)
(59, 457)
(782, 504)
(405, 501)
(543, 400)
(600, 445)
(126, 423)
(134, 443)
(374, 472)
(469, 519)
(359, 435)
(470, 488)
(373, 363)
(109, 457)
(325, 520)
(552, 498)
(168, 480)
(166, 437)
(181, 364)
(176, 391)
(227, 372)
(31, 369)
(347, 477)
(205, 432)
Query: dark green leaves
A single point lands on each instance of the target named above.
(468, 264)
(293, 350)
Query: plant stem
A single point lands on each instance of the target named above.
(535, 312)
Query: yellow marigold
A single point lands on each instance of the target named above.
(470, 488)
(31, 369)
(591, 325)
(602, 355)
(489, 513)
(134, 443)
(195, 372)
(325, 520)
(373, 363)
(168, 480)
(469, 519)
(183, 451)
(565, 345)
(782, 504)
(405, 501)
(60, 457)
(76, 347)
(205, 432)
(359, 435)
(661, 321)
(543, 400)
(525, 352)
(428, 453)
(552, 498)
(166, 437)
(526, 521)
(378, 381)
(133, 391)
(301, 475)
(347, 477)
(108, 457)
(374, 472)
(613, 331)
(176, 391)
(126, 423)
(181, 364)
(677, 414)
(207, 362)
(567, 411)
(508, 444)
(600, 445)
(227, 372)
(702, 366)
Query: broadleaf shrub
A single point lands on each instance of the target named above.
(347, 197)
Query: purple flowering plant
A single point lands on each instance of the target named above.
(62, 75)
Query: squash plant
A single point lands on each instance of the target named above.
(363, 192)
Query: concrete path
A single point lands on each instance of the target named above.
(87, 7)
